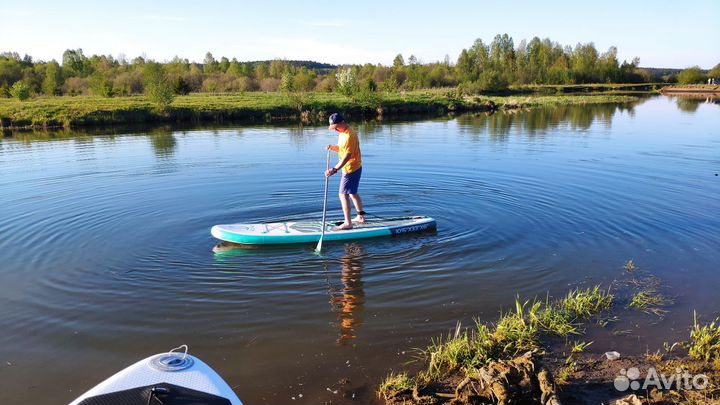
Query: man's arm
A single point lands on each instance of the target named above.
(339, 166)
(343, 162)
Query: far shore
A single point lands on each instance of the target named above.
(306, 108)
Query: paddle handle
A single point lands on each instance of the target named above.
(327, 181)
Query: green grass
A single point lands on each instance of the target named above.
(585, 303)
(448, 353)
(508, 102)
(570, 367)
(648, 300)
(704, 340)
(579, 347)
(555, 321)
(67, 111)
(515, 332)
(396, 383)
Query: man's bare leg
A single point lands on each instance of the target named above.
(357, 202)
(345, 202)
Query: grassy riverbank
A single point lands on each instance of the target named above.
(66, 111)
(535, 353)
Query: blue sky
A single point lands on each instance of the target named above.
(662, 33)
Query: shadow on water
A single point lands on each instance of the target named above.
(228, 250)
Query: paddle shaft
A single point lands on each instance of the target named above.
(327, 181)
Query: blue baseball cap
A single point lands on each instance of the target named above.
(336, 118)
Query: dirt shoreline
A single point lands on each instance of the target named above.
(693, 89)
(594, 380)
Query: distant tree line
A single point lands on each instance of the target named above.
(479, 68)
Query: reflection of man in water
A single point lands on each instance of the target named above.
(348, 301)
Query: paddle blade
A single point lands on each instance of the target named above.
(318, 248)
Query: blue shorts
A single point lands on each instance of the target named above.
(349, 183)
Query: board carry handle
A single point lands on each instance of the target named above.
(185, 350)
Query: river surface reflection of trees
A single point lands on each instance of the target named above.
(538, 120)
(689, 103)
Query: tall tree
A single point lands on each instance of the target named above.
(584, 63)
(692, 75)
(11, 69)
(224, 64)
(210, 65)
(52, 83)
(158, 88)
(502, 56)
(75, 63)
(278, 68)
(464, 66)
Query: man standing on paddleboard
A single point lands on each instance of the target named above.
(350, 162)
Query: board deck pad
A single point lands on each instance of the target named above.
(310, 231)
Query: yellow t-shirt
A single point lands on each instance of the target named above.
(348, 142)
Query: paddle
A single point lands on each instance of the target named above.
(322, 231)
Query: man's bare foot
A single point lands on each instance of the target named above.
(344, 227)
(360, 219)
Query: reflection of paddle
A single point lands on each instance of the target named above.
(322, 231)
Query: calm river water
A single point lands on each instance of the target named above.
(106, 255)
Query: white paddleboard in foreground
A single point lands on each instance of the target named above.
(309, 231)
(167, 378)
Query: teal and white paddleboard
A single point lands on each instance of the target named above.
(309, 231)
